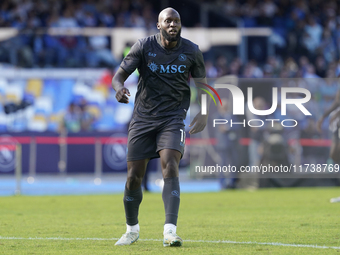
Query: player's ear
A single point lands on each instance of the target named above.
(158, 26)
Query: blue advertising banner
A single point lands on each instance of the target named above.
(47, 152)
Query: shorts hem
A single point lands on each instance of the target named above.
(153, 155)
(142, 157)
(176, 149)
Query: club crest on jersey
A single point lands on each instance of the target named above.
(153, 66)
(182, 57)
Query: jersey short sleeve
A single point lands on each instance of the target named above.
(198, 68)
(133, 59)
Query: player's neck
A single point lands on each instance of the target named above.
(168, 45)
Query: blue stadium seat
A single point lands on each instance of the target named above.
(49, 87)
(3, 86)
(64, 94)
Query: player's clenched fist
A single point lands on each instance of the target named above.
(122, 95)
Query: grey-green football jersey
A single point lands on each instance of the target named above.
(163, 88)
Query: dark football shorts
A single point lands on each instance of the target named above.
(146, 139)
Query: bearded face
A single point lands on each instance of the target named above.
(169, 25)
(171, 36)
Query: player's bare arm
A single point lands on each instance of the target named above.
(335, 105)
(118, 80)
(200, 121)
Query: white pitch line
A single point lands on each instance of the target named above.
(159, 240)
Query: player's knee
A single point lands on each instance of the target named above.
(133, 182)
(170, 169)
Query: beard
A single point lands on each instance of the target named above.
(170, 38)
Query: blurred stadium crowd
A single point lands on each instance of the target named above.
(302, 29)
(76, 13)
(306, 35)
(31, 49)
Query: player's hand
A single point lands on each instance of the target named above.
(122, 95)
(198, 123)
(319, 125)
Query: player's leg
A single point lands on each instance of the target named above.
(145, 181)
(335, 147)
(170, 147)
(133, 191)
(335, 155)
(171, 195)
(133, 196)
(141, 147)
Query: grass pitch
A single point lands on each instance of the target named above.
(255, 221)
